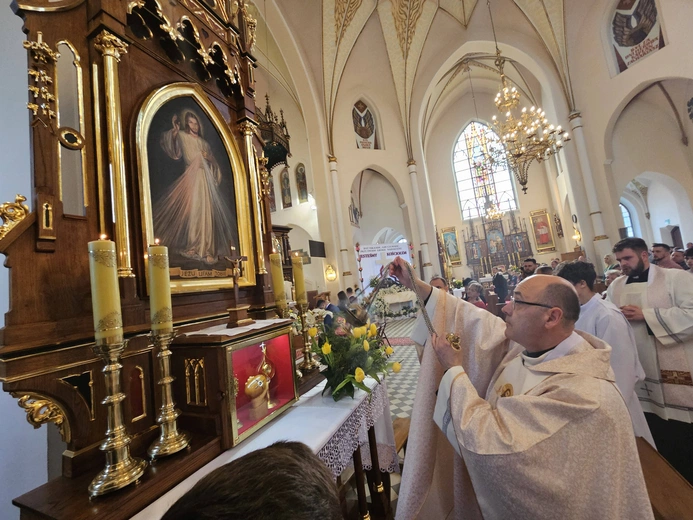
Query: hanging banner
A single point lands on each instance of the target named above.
(375, 256)
(636, 31)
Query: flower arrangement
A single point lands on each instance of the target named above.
(380, 307)
(350, 355)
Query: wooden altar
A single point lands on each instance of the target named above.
(114, 88)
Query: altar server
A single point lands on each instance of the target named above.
(538, 428)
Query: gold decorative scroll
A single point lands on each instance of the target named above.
(195, 382)
(41, 410)
(42, 94)
(12, 213)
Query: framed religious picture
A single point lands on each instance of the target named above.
(450, 245)
(301, 183)
(272, 196)
(194, 193)
(495, 239)
(543, 234)
(474, 252)
(285, 182)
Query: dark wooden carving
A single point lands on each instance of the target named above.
(45, 346)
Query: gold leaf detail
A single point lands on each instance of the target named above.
(112, 321)
(110, 45)
(41, 410)
(159, 260)
(406, 14)
(163, 316)
(106, 258)
(344, 12)
(12, 213)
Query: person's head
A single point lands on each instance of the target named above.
(608, 260)
(632, 254)
(349, 291)
(321, 304)
(191, 123)
(342, 297)
(611, 275)
(677, 255)
(466, 282)
(688, 257)
(582, 275)
(439, 282)
(554, 263)
(285, 481)
(474, 290)
(544, 269)
(660, 251)
(542, 312)
(529, 266)
(689, 245)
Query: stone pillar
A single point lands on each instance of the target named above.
(112, 48)
(602, 244)
(343, 249)
(414, 178)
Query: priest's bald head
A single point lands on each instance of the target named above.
(542, 312)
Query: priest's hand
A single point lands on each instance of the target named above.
(401, 269)
(632, 313)
(448, 356)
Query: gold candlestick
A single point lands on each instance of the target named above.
(121, 469)
(171, 440)
(308, 362)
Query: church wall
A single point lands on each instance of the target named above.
(442, 180)
(23, 450)
(368, 74)
(601, 97)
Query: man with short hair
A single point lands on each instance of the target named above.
(440, 283)
(661, 253)
(540, 424)
(677, 255)
(544, 269)
(658, 303)
(603, 320)
(528, 267)
(328, 306)
(688, 257)
(500, 284)
(285, 481)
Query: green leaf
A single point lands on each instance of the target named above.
(362, 387)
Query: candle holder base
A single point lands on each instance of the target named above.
(118, 475)
(168, 445)
(238, 317)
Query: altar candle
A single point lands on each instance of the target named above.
(160, 309)
(299, 280)
(105, 295)
(277, 278)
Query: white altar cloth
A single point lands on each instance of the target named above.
(331, 429)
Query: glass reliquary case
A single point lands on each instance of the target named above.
(234, 381)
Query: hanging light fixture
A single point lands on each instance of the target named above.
(525, 133)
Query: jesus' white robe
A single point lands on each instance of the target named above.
(605, 321)
(666, 300)
(563, 448)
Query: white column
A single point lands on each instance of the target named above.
(413, 177)
(343, 250)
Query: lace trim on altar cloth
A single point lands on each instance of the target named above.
(337, 453)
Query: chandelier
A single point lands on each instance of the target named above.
(525, 133)
(493, 212)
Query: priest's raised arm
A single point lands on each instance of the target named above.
(530, 408)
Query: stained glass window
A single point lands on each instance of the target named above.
(481, 183)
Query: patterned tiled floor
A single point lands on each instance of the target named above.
(402, 386)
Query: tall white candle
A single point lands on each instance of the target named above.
(105, 295)
(160, 309)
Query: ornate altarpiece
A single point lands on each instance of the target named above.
(91, 177)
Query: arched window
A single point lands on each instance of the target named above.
(627, 221)
(479, 184)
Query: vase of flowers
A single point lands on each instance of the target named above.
(350, 354)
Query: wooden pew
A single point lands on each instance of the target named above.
(670, 494)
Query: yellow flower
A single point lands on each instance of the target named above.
(326, 349)
(357, 332)
(396, 367)
(366, 346)
(312, 332)
(359, 375)
(389, 351)
(373, 330)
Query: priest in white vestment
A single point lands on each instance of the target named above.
(605, 321)
(537, 426)
(658, 303)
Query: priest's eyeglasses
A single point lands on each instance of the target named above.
(514, 301)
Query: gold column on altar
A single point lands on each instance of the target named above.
(248, 128)
(112, 48)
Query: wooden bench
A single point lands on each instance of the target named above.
(670, 494)
(401, 427)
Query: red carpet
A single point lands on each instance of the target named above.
(397, 342)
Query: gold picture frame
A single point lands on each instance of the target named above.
(451, 245)
(543, 231)
(224, 144)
